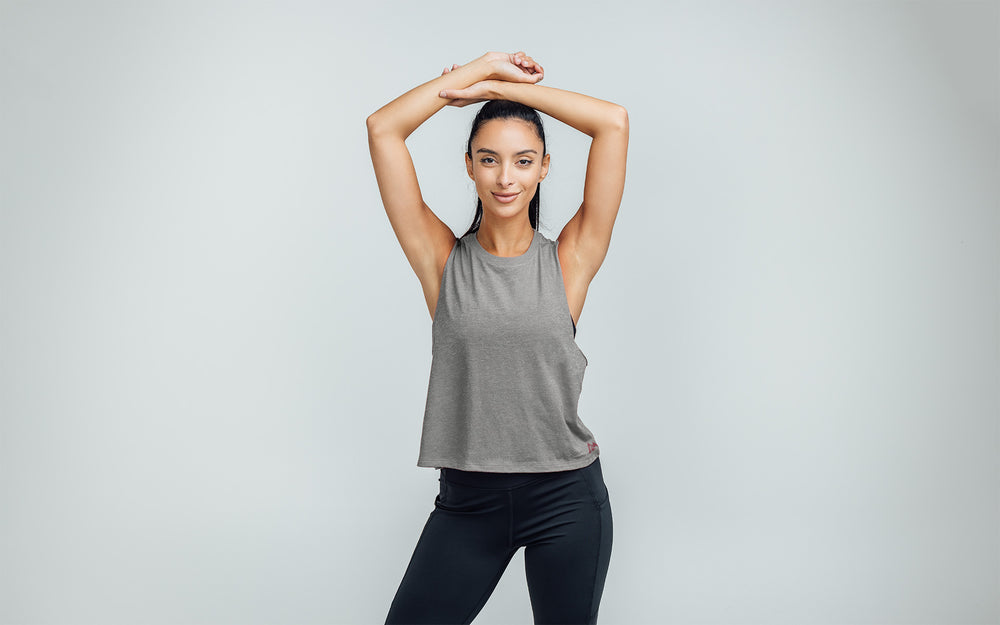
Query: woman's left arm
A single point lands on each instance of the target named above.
(589, 231)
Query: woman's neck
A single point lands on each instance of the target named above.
(507, 240)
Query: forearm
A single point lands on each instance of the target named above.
(588, 115)
(404, 114)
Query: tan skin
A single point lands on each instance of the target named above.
(505, 229)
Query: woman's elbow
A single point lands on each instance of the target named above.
(621, 119)
(372, 123)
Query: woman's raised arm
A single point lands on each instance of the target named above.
(425, 239)
(588, 233)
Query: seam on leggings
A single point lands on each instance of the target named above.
(597, 564)
(590, 489)
(510, 519)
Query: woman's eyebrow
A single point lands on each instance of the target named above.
(488, 151)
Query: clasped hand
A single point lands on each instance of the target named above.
(516, 67)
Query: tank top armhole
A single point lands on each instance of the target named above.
(565, 297)
(444, 279)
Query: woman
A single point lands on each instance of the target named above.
(518, 468)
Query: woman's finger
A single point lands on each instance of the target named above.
(530, 65)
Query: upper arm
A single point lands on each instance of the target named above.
(588, 233)
(426, 240)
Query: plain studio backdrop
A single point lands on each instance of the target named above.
(214, 356)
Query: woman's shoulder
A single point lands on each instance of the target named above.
(550, 245)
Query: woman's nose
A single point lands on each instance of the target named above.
(503, 177)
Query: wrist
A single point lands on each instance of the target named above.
(502, 90)
(480, 69)
(505, 90)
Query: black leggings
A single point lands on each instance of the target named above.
(480, 520)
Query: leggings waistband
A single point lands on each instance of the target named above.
(486, 479)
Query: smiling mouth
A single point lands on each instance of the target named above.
(505, 198)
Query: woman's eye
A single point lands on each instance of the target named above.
(488, 158)
(525, 161)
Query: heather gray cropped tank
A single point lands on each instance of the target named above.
(506, 372)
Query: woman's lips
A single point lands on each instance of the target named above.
(506, 199)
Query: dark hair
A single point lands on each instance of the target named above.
(506, 109)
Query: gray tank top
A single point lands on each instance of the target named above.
(506, 372)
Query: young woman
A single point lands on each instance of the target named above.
(518, 468)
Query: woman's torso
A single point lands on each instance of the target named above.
(506, 372)
(574, 282)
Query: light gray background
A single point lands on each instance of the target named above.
(214, 355)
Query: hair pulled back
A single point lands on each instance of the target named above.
(507, 109)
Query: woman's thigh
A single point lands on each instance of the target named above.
(460, 556)
(568, 548)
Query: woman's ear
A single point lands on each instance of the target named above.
(468, 165)
(545, 167)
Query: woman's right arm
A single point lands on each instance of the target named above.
(426, 240)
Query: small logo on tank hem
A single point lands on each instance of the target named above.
(591, 447)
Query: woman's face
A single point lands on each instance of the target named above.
(507, 164)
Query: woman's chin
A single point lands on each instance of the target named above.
(505, 210)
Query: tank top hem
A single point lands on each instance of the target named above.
(544, 466)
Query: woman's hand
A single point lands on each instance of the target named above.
(476, 92)
(516, 67)
(456, 102)
(503, 67)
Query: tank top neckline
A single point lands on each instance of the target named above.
(506, 261)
